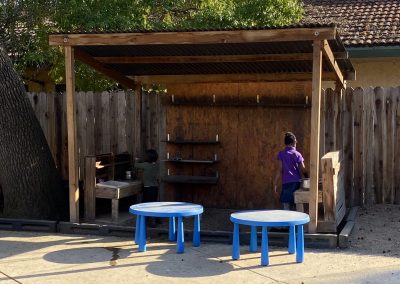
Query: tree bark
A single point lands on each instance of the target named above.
(30, 183)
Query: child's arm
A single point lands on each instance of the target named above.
(304, 170)
(138, 164)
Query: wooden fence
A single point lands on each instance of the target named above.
(105, 123)
(364, 123)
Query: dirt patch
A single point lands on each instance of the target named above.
(377, 230)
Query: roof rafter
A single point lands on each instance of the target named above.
(115, 75)
(328, 54)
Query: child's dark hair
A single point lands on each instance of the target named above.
(290, 138)
(151, 156)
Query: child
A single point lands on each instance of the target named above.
(290, 168)
(151, 171)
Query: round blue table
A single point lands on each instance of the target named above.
(265, 219)
(170, 210)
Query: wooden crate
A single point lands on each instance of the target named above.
(332, 194)
(334, 199)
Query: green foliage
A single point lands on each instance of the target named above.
(39, 18)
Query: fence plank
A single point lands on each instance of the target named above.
(396, 130)
(347, 134)
(113, 122)
(30, 98)
(357, 146)
(58, 116)
(337, 114)
(105, 122)
(121, 144)
(368, 145)
(129, 125)
(322, 128)
(41, 113)
(90, 124)
(50, 121)
(137, 124)
(98, 130)
(389, 146)
(64, 138)
(329, 120)
(379, 146)
(81, 131)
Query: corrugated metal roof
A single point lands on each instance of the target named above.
(242, 66)
(292, 26)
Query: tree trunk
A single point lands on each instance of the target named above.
(31, 185)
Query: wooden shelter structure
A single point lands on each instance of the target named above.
(293, 53)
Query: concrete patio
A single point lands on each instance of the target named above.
(27, 257)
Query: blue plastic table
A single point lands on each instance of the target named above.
(170, 210)
(265, 219)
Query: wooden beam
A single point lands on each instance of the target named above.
(326, 50)
(98, 66)
(200, 37)
(315, 129)
(226, 78)
(203, 59)
(71, 131)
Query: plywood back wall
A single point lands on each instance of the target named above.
(250, 138)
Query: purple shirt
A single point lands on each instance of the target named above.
(291, 160)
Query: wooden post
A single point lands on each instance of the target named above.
(315, 131)
(71, 130)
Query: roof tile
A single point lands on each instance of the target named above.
(360, 22)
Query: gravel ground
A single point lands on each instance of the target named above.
(377, 230)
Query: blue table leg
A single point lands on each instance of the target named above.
(253, 239)
(172, 229)
(264, 247)
(142, 234)
(180, 247)
(292, 240)
(196, 231)
(300, 244)
(235, 242)
(137, 229)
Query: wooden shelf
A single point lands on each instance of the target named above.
(115, 164)
(191, 141)
(190, 179)
(192, 161)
